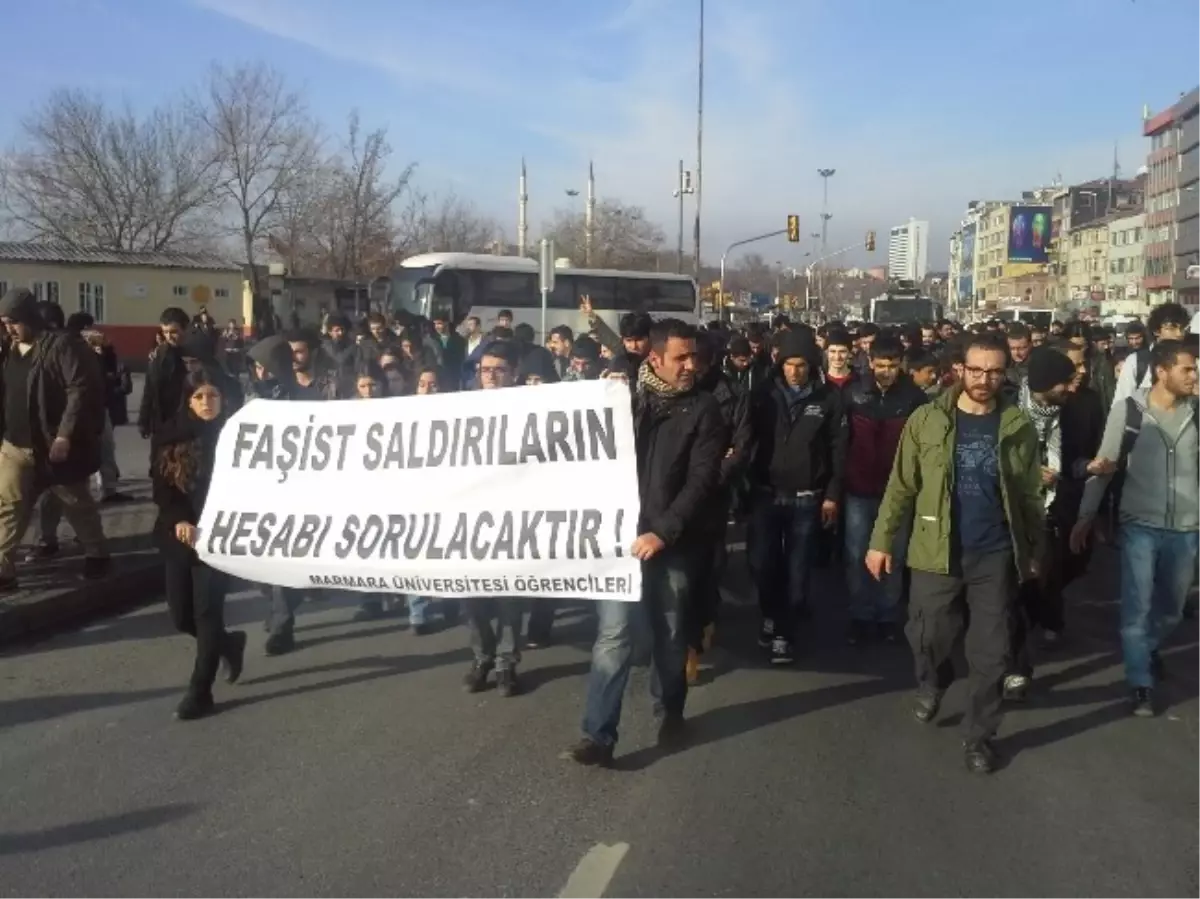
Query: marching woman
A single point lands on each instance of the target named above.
(184, 451)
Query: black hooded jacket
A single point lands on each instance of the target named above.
(800, 437)
(734, 403)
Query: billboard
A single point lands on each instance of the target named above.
(966, 266)
(1029, 234)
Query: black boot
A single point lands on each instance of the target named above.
(233, 655)
(195, 704)
(280, 643)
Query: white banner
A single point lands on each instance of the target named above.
(526, 491)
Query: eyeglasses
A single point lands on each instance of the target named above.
(497, 371)
(991, 374)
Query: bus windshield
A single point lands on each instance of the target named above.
(899, 311)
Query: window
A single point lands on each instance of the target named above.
(45, 290)
(221, 293)
(1075, 267)
(1076, 239)
(180, 291)
(91, 300)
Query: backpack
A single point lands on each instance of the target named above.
(1133, 426)
(1141, 361)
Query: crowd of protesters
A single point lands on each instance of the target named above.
(958, 476)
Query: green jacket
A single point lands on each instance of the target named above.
(921, 485)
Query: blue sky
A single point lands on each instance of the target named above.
(921, 105)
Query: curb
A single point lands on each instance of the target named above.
(138, 584)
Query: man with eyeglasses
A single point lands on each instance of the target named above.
(495, 623)
(968, 476)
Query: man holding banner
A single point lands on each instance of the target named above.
(681, 439)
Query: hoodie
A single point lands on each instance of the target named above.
(538, 362)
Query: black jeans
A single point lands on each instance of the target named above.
(1040, 600)
(196, 600)
(987, 584)
(782, 544)
(499, 645)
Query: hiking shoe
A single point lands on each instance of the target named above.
(193, 706)
(589, 753)
(980, 757)
(507, 682)
(926, 705)
(1016, 688)
(280, 644)
(476, 678)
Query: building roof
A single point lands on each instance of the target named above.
(71, 254)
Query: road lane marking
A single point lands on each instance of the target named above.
(591, 876)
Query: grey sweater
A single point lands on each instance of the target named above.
(1162, 473)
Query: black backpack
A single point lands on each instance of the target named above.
(1141, 361)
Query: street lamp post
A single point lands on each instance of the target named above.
(733, 246)
(683, 187)
(825, 174)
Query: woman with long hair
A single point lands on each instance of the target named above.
(183, 453)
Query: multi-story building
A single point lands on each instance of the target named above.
(1087, 264)
(964, 258)
(1172, 204)
(1123, 283)
(1076, 206)
(908, 251)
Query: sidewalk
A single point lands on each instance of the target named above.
(53, 594)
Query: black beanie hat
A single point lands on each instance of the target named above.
(1049, 368)
(739, 346)
(799, 344)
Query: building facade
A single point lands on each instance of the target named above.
(1172, 204)
(1123, 284)
(125, 292)
(908, 251)
(1087, 264)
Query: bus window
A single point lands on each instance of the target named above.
(564, 295)
(657, 296)
(505, 290)
(602, 290)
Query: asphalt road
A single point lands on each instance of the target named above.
(357, 766)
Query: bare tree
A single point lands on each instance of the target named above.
(444, 224)
(87, 174)
(265, 141)
(622, 236)
(357, 227)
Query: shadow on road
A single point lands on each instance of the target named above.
(44, 708)
(96, 829)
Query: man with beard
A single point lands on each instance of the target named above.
(339, 349)
(1045, 391)
(968, 475)
(680, 440)
(314, 380)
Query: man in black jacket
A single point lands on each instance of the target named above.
(734, 403)
(796, 472)
(681, 440)
(53, 416)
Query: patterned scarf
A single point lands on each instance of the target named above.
(651, 384)
(1047, 422)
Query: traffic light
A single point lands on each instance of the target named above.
(793, 228)
(871, 241)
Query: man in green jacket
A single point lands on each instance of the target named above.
(968, 474)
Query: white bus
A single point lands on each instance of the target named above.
(458, 285)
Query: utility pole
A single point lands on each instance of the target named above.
(699, 147)
(683, 187)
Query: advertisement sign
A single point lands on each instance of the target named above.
(1029, 234)
(966, 271)
(526, 491)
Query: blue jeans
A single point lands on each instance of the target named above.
(666, 585)
(784, 541)
(871, 600)
(1157, 567)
